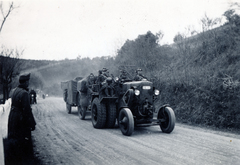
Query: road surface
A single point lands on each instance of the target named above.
(62, 138)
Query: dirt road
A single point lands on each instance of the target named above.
(62, 138)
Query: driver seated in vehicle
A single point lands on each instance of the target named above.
(123, 77)
(139, 76)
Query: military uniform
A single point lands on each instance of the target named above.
(139, 76)
(32, 92)
(21, 121)
(123, 76)
(101, 77)
(90, 80)
(84, 93)
(20, 124)
(108, 87)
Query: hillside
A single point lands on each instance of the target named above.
(35, 64)
(198, 77)
(48, 78)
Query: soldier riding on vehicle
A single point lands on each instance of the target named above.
(101, 78)
(123, 77)
(139, 76)
(105, 72)
(90, 81)
(106, 82)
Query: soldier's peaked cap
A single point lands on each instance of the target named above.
(24, 77)
(104, 69)
(138, 70)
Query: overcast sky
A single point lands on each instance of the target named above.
(59, 29)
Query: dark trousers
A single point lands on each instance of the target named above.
(18, 151)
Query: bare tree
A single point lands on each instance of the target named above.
(9, 69)
(5, 15)
(9, 58)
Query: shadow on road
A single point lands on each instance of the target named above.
(18, 154)
(87, 117)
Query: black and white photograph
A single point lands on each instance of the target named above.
(120, 82)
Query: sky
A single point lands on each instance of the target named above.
(60, 29)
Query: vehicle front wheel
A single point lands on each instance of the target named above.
(126, 122)
(98, 114)
(69, 108)
(167, 115)
(82, 112)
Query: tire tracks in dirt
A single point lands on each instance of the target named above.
(63, 138)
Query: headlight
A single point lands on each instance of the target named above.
(156, 92)
(116, 79)
(137, 92)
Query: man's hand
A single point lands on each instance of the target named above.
(33, 128)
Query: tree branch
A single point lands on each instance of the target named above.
(5, 16)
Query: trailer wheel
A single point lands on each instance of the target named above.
(82, 112)
(111, 115)
(168, 115)
(126, 122)
(98, 114)
(69, 108)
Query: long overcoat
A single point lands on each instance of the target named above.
(21, 120)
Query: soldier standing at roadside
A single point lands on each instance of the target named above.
(21, 121)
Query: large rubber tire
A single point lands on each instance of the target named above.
(168, 115)
(126, 122)
(82, 112)
(69, 108)
(111, 115)
(98, 114)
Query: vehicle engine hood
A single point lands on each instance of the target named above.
(137, 85)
